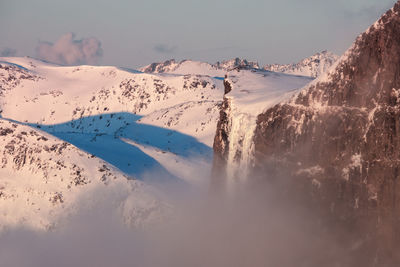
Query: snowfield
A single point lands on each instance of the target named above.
(118, 127)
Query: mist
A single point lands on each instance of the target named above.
(253, 226)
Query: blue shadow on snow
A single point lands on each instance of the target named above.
(101, 135)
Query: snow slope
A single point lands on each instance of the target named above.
(43, 180)
(56, 95)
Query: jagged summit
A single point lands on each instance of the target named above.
(237, 63)
(312, 66)
(367, 73)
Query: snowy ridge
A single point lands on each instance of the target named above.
(185, 67)
(166, 66)
(61, 94)
(312, 66)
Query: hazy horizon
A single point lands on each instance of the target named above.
(134, 34)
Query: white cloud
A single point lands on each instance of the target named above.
(69, 51)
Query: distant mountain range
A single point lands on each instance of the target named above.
(312, 66)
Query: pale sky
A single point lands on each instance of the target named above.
(135, 33)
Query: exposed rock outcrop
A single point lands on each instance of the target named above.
(237, 63)
(336, 146)
(165, 66)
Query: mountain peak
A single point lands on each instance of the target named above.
(367, 73)
(312, 66)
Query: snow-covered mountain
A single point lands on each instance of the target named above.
(101, 102)
(69, 131)
(44, 94)
(312, 66)
(153, 127)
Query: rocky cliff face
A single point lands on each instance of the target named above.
(247, 94)
(335, 145)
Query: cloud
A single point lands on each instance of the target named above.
(69, 51)
(165, 49)
(253, 228)
(8, 52)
